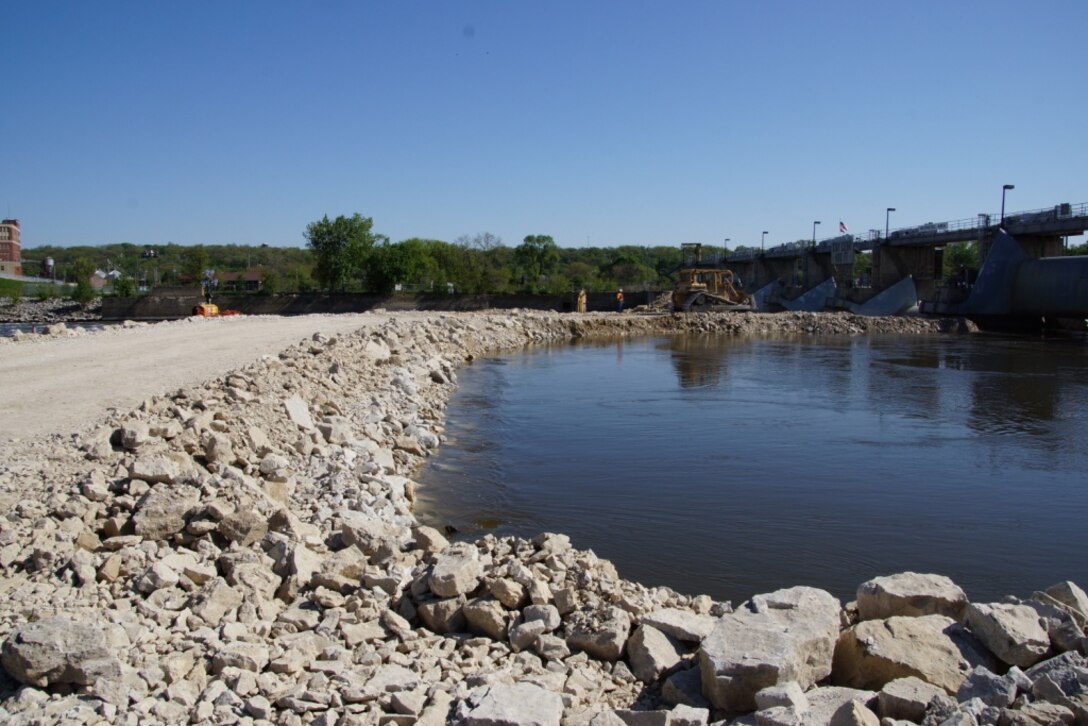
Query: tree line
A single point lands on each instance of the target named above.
(346, 254)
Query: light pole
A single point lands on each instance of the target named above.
(762, 240)
(887, 214)
(814, 233)
(1004, 189)
(725, 248)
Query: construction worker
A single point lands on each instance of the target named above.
(619, 300)
(581, 304)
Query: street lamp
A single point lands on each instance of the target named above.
(814, 233)
(725, 247)
(1004, 189)
(762, 240)
(887, 214)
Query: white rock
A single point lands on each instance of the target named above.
(457, 570)
(57, 650)
(239, 654)
(683, 715)
(1014, 633)
(787, 635)
(213, 601)
(161, 512)
(602, 634)
(784, 694)
(487, 616)
(934, 648)
(906, 698)
(681, 624)
(652, 652)
(910, 594)
(299, 413)
(521, 704)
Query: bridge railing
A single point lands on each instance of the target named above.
(979, 222)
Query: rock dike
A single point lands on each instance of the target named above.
(244, 551)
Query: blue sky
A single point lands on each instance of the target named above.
(601, 122)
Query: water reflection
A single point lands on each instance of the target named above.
(698, 361)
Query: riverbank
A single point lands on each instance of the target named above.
(243, 550)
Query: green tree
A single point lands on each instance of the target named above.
(194, 261)
(863, 264)
(581, 274)
(486, 264)
(271, 282)
(82, 269)
(405, 262)
(341, 247)
(536, 255)
(124, 287)
(629, 273)
(959, 255)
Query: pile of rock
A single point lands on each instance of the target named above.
(54, 310)
(245, 552)
(52, 330)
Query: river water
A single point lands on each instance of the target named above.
(735, 466)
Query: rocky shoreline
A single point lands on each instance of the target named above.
(244, 551)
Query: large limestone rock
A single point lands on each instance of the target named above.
(244, 526)
(784, 694)
(906, 699)
(934, 648)
(214, 600)
(1062, 626)
(830, 705)
(787, 635)
(684, 687)
(168, 467)
(601, 634)
(910, 594)
(1060, 678)
(429, 540)
(990, 688)
(652, 653)
(1072, 597)
(373, 535)
(299, 412)
(486, 615)
(521, 704)
(444, 616)
(160, 513)
(683, 625)
(457, 570)
(57, 650)
(1014, 633)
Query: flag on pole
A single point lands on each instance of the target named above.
(843, 229)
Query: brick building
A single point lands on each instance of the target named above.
(10, 250)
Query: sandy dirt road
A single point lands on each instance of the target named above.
(65, 385)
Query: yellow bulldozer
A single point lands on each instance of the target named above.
(709, 286)
(706, 284)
